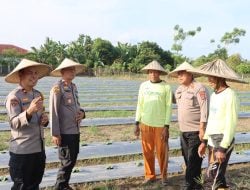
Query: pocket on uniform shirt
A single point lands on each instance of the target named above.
(190, 99)
(64, 153)
(68, 99)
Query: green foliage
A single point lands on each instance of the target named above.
(233, 61)
(180, 35)
(104, 51)
(243, 68)
(51, 53)
(9, 59)
(76, 170)
(200, 61)
(135, 66)
(126, 53)
(233, 37)
(220, 53)
(168, 67)
(78, 50)
(3, 178)
(100, 56)
(118, 66)
(178, 59)
(149, 51)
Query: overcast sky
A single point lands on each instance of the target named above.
(27, 23)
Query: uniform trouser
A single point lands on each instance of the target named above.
(189, 145)
(151, 140)
(68, 152)
(26, 170)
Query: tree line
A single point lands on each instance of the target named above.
(124, 57)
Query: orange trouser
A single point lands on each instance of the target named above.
(151, 139)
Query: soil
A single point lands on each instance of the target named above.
(238, 178)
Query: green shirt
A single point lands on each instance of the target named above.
(223, 116)
(154, 105)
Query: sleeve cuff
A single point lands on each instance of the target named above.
(82, 110)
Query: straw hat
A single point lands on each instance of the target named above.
(182, 67)
(13, 77)
(154, 65)
(65, 64)
(218, 68)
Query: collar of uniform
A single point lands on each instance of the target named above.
(22, 89)
(190, 86)
(64, 83)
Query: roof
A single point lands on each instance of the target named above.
(4, 47)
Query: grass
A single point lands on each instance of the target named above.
(239, 176)
(111, 133)
(3, 117)
(4, 140)
(245, 108)
(105, 114)
(132, 103)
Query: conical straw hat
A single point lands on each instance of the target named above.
(65, 64)
(154, 65)
(218, 68)
(182, 67)
(13, 77)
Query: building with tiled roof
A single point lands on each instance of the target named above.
(4, 47)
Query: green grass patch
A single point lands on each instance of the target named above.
(3, 118)
(244, 108)
(101, 104)
(105, 114)
(4, 140)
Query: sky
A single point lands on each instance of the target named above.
(28, 23)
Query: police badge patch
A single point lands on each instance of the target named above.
(14, 102)
(56, 89)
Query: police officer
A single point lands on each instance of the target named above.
(27, 118)
(192, 101)
(65, 118)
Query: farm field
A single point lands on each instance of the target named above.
(111, 96)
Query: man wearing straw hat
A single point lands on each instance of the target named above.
(222, 120)
(153, 115)
(27, 118)
(65, 118)
(192, 101)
